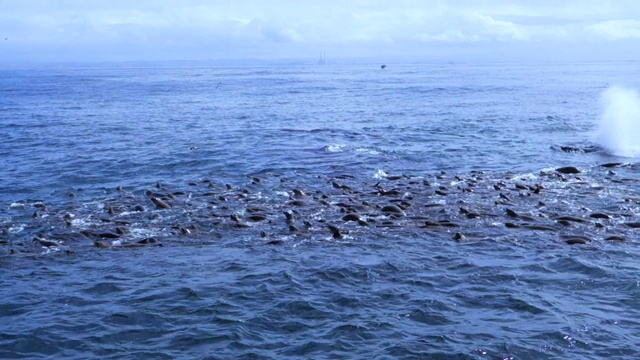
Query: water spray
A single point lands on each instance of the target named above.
(619, 131)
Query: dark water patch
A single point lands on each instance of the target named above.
(104, 289)
(14, 309)
(576, 266)
(430, 318)
(134, 319)
(36, 345)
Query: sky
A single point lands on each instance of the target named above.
(377, 30)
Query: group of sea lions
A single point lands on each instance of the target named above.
(558, 204)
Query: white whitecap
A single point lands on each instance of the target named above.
(16, 228)
(81, 222)
(334, 148)
(142, 233)
(368, 151)
(380, 174)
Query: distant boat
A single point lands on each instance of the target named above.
(322, 59)
(383, 67)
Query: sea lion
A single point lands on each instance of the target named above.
(101, 244)
(571, 218)
(351, 217)
(568, 170)
(160, 204)
(337, 234)
(574, 241)
(393, 211)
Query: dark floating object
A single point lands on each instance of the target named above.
(511, 213)
(570, 149)
(576, 241)
(600, 216)
(610, 165)
(351, 217)
(571, 218)
(616, 238)
(100, 244)
(575, 149)
(568, 170)
(160, 204)
(336, 232)
(383, 67)
(393, 211)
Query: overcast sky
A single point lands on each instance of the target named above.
(389, 30)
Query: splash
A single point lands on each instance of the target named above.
(619, 131)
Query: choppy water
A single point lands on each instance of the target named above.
(318, 212)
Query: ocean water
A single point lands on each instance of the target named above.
(320, 212)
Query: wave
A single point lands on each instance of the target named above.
(341, 148)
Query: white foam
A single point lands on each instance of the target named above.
(141, 233)
(50, 250)
(16, 228)
(380, 174)
(16, 205)
(367, 151)
(82, 222)
(333, 148)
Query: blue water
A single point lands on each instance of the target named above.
(216, 142)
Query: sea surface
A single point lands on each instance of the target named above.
(320, 212)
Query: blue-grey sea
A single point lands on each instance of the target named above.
(422, 211)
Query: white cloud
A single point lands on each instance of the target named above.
(290, 28)
(499, 29)
(453, 36)
(616, 29)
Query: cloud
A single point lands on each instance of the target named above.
(499, 29)
(199, 29)
(616, 29)
(447, 36)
